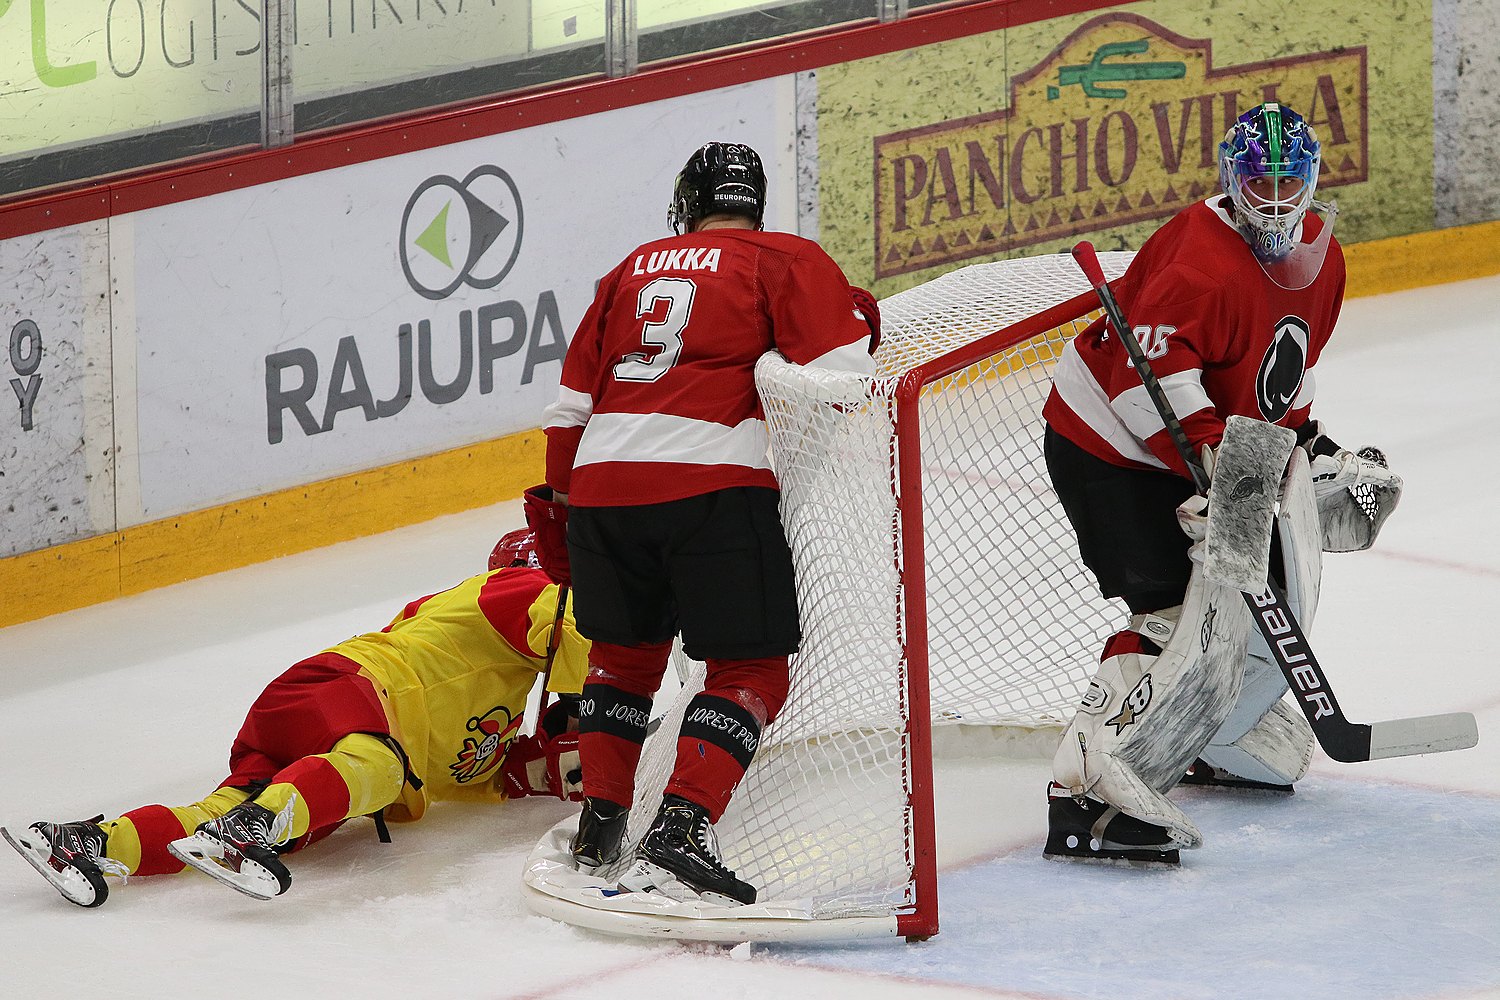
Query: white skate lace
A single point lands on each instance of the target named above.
(241, 831)
(281, 827)
(92, 849)
(708, 841)
(110, 866)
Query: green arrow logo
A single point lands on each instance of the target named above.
(434, 238)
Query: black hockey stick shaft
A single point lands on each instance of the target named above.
(1341, 739)
(553, 641)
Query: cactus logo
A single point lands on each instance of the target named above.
(461, 232)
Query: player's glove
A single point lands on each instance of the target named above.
(1355, 491)
(1192, 513)
(867, 309)
(549, 519)
(1192, 517)
(547, 763)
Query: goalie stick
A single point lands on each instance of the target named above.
(1341, 739)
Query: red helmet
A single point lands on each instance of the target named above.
(515, 548)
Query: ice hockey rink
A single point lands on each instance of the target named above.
(1379, 880)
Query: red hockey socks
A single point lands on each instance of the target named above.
(153, 827)
(721, 730)
(613, 714)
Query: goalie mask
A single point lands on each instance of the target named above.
(1268, 166)
(720, 178)
(515, 548)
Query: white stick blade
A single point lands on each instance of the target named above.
(1423, 734)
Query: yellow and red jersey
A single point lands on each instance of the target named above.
(453, 672)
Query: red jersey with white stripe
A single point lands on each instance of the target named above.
(658, 397)
(1222, 338)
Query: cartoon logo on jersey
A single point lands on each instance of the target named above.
(481, 753)
(461, 232)
(1282, 369)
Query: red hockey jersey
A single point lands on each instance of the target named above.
(1222, 338)
(658, 397)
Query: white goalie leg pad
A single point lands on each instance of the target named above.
(1299, 531)
(1275, 751)
(1145, 718)
(1255, 742)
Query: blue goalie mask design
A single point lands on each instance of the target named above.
(1268, 166)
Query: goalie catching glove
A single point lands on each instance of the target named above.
(547, 763)
(1355, 491)
(548, 517)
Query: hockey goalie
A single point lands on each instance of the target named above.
(1232, 302)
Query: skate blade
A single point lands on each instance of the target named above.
(1195, 780)
(644, 876)
(1094, 853)
(253, 879)
(74, 885)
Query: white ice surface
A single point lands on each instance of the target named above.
(1379, 880)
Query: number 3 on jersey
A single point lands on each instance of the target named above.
(671, 299)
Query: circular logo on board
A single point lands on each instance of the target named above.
(461, 232)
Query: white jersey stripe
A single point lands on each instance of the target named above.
(663, 437)
(853, 357)
(572, 409)
(1184, 391)
(1077, 387)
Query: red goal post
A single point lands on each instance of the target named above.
(942, 602)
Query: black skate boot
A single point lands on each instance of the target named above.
(1201, 772)
(1089, 829)
(679, 857)
(601, 827)
(70, 856)
(239, 849)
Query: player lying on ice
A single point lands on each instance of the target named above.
(1232, 301)
(427, 709)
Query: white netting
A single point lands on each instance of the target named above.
(824, 816)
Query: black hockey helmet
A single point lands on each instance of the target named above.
(722, 177)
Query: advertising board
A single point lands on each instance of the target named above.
(333, 322)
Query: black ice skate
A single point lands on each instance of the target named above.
(600, 830)
(1091, 830)
(1203, 773)
(239, 849)
(70, 856)
(679, 857)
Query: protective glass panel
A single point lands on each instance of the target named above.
(672, 28)
(355, 62)
(89, 89)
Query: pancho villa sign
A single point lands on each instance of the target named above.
(1120, 123)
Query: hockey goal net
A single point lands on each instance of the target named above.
(940, 590)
